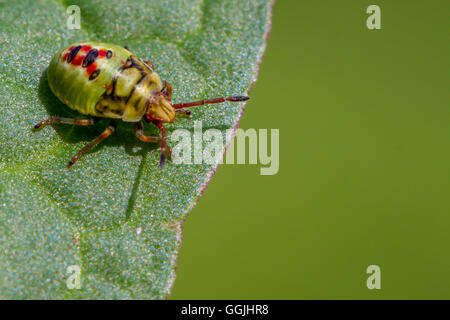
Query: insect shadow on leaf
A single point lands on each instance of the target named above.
(75, 134)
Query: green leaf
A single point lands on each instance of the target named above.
(115, 214)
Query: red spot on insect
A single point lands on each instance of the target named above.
(86, 48)
(91, 68)
(78, 60)
(66, 55)
(64, 58)
(102, 53)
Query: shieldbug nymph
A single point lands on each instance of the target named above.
(106, 80)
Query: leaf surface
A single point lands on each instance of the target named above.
(115, 214)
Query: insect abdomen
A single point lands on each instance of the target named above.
(80, 74)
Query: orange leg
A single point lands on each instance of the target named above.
(105, 134)
(164, 147)
(139, 131)
(78, 122)
(183, 113)
(209, 101)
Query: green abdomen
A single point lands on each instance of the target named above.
(80, 81)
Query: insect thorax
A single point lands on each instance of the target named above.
(127, 96)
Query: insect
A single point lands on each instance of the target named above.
(107, 80)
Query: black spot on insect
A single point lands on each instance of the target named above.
(134, 88)
(94, 74)
(90, 58)
(103, 107)
(109, 54)
(100, 108)
(116, 111)
(136, 104)
(138, 64)
(73, 54)
(113, 85)
(127, 64)
(126, 48)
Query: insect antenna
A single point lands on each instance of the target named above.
(209, 101)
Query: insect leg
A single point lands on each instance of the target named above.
(167, 88)
(105, 134)
(78, 122)
(164, 147)
(209, 101)
(139, 131)
(183, 113)
(150, 64)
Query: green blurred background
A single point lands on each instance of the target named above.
(364, 163)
